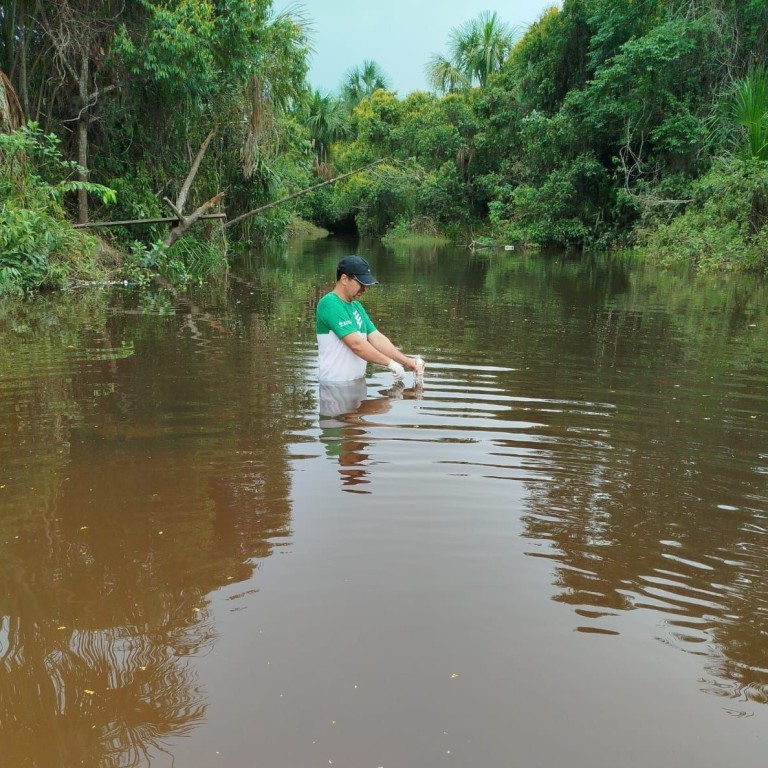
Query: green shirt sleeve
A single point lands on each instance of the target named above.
(337, 316)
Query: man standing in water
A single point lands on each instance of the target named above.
(346, 337)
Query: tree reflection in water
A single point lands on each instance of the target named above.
(94, 696)
(631, 513)
(125, 504)
(145, 465)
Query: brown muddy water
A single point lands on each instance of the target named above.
(553, 553)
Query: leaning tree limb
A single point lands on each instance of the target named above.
(185, 187)
(185, 222)
(248, 215)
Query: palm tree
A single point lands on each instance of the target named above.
(328, 120)
(360, 82)
(445, 76)
(477, 49)
(273, 89)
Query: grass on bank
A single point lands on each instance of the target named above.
(420, 231)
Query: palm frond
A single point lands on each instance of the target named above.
(444, 76)
(749, 110)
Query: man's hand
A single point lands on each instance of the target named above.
(396, 369)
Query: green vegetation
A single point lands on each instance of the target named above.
(606, 123)
(477, 50)
(417, 232)
(38, 248)
(360, 82)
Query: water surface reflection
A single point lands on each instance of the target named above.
(130, 493)
(555, 544)
(347, 430)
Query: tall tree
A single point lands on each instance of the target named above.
(230, 64)
(360, 82)
(328, 121)
(477, 49)
(550, 60)
(275, 87)
(80, 34)
(14, 47)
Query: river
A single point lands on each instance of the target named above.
(553, 552)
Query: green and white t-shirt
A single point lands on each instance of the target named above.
(335, 319)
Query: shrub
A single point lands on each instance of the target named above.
(724, 226)
(40, 251)
(38, 247)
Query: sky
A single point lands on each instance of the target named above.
(399, 35)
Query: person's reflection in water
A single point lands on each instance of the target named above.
(343, 408)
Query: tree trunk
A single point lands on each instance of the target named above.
(23, 86)
(82, 139)
(11, 116)
(82, 159)
(758, 216)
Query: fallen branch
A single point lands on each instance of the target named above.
(185, 222)
(300, 192)
(185, 187)
(132, 222)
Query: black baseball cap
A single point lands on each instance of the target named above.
(357, 267)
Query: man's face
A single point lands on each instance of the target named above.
(353, 287)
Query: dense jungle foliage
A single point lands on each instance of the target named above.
(605, 123)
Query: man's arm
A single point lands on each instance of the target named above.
(383, 345)
(362, 347)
